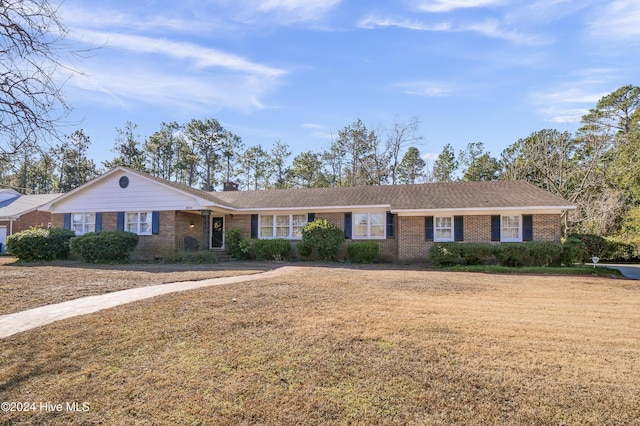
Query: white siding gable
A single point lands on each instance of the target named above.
(142, 194)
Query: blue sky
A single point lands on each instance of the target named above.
(298, 71)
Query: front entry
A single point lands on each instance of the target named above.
(217, 232)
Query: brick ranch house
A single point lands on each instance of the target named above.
(406, 220)
(19, 212)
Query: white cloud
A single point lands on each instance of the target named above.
(566, 105)
(437, 6)
(201, 57)
(299, 10)
(424, 88)
(619, 20)
(373, 21)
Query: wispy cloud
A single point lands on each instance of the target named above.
(569, 102)
(201, 57)
(424, 88)
(618, 20)
(438, 6)
(298, 10)
(489, 28)
(375, 21)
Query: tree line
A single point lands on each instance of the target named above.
(596, 168)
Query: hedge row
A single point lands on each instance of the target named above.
(40, 244)
(509, 254)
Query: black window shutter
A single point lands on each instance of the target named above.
(67, 221)
(458, 228)
(254, 226)
(155, 223)
(428, 228)
(120, 221)
(390, 224)
(495, 227)
(347, 226)
(527, 227)
(311, 217)
(98, 222)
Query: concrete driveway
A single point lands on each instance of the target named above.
(631, 271)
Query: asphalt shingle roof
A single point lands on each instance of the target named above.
(450, 195)
(14, 207)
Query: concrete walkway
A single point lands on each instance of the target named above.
(21, 321)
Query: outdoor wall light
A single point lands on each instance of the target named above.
(192, 225)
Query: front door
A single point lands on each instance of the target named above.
(217, 232)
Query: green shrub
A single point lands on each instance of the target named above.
(304, 249)
(323, 237)
(574, 251)
(445, 254)
(513, 255)
(363, 252)
(544, 253)
(278, 249)
(36, 244)
(105, 247)
(477, 253)
(591, 245)
(622, 249)
(237, 246)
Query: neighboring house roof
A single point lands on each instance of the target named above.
(15, 207)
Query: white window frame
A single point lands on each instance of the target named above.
(85, 224)
(504, 239)
(270, 221)
(369, 225)
(138, 223)
(436, 228)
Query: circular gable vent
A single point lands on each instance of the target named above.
(124, 182)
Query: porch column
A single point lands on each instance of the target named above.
(206, 224)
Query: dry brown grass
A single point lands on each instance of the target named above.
(25, 286)
(344, 346)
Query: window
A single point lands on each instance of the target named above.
(82, 223)
(138, 223)
(443, 229)
(282, 226)
(369, 225)
(511, 229)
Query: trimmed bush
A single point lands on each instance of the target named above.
(323, 237)
(477, 253)
(363, 252)
(623, 249)
(39, 244)
(544, 253)
(513, 255)
(445, 254)
(304, 249)
(105, 247)
(574, 251)
(278, 249)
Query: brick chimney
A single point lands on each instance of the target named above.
(230, 186)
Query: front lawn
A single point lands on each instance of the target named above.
(344, 346)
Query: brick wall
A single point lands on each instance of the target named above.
(413, 247)
(27, 220)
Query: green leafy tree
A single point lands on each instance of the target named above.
(161, 151)
(411, 168)
(446, 165)
(478, 164)
(280, 153)
(306, 169)
(206, 139)
(75, 167)
(128, 149)
(255, 166)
